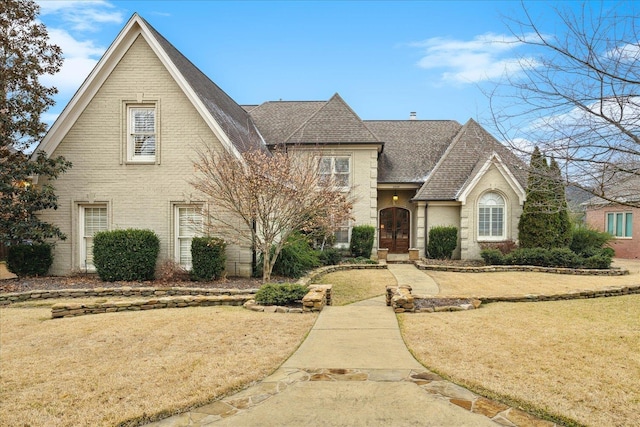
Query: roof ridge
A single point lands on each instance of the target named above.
(305, 122)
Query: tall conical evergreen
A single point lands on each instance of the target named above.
(563, 232)
(539, 221)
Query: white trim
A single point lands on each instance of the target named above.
(82, 242)
(177, 237)
(494, 159)
(490, 238)
(87, 91)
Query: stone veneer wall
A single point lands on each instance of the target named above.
(6, 299)
(528, 268)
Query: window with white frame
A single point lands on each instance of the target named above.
(142, 134)
(188, 224)
(491, 214)
(619, 224)
(336, 168)
(92, 219)
(342, 234)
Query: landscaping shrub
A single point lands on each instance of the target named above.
(564, 257)
(360, 260)
(585, 240)
(129, 254)
(280, 294)
(492, 257)
(208, 258)
(296, 258)
(362, 240)
(29, 260)
(528, 256)
(597, 261)
(329, 256)
(442, 242)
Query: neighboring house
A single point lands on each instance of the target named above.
(621, 221)
(132, 129)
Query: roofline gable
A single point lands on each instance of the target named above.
(136, 26)
(496, 160)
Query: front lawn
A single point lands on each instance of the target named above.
(577, 359)
(351, 286)
(101, 370)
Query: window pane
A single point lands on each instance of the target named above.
(342, 164)
(619, 227)
(95, 220)
(610, 228)
(483, 221)
(143, 120)
(325, 165)
(144, 145)
(497, 222)
(342, 180)
(628, 225)
(189, 225)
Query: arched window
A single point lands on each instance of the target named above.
(491, 213)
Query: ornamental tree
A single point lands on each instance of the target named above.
(264, 197)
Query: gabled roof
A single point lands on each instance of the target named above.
(311, 122)
(471, 148)
(228, 121)
(411, 147)
(622, 189)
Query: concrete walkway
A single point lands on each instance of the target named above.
(353, 370)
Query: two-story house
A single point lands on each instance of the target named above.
(132, 129)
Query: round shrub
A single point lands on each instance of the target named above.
(492, 257)
(280, 293)
(208, 258)
(442, 242)
(585, 240)
(362, 240)
(528, 256)
(125, 254)
(296, 257)
(29, 260)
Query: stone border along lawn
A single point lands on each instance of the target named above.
(422, 265)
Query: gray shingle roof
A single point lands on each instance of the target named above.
(311, 122)
(411, 147)
(463, 159)
(233, 119)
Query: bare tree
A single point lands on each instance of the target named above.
(262, 197)
(578, 97)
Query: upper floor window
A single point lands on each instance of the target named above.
(336, 168)
(142, 134)
(491, 210)
(619, 224)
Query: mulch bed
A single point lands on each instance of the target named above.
(92, 281)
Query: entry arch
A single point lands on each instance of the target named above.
(394, 229)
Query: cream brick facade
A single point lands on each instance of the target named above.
(136, 195)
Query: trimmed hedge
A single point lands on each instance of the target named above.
(128, 255)
(442, 242)
(329, 256)
(29, 260)
(362, 240)
(280, 293)
(557, 257)
(208, 258)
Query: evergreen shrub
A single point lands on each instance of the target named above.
(29, 259)
(329, 256)
(585, 241)
(127, 255)
(492, 257)
(362, 240)
(280, 293)
(295, 259)
(442, 242)
(208, 258)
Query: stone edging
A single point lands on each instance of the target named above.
(426, 380)
(402, 300)
(527, 268)
(315, 300)
(125, 291)
(77, 309)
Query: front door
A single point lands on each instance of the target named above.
(394, 230)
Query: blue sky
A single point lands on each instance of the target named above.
(385, 59)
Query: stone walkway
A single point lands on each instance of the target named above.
(354, 370)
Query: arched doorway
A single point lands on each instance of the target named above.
(394, 230)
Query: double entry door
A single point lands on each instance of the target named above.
(394, 230)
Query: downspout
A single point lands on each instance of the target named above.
(254, 255)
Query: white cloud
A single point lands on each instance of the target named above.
(71, 25)
(82, 15)
(471, 61)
